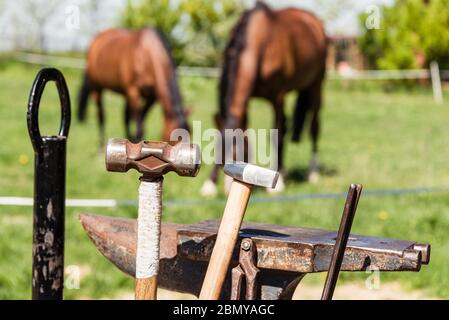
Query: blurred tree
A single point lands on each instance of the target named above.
(210, 23)
(436, 33)
(164, 15)
(196, 29)
(412, 33)
(40, 13)
(331, 12)
(94, 13)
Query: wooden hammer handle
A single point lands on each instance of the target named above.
(226, 240)
(146, 288)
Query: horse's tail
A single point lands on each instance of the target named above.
(83, 96)
(299, 116)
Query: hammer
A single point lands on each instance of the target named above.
(244, 176)
(153, 160)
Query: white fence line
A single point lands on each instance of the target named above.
(382, 74)
(28, 202)
(205, 72)
(434, 74)
(57, 61)
(112, 203)
(79, 63)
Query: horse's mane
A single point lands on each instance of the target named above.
(173, 84)
(231, 57)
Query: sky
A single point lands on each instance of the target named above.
(71, 24)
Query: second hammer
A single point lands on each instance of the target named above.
(244, 176)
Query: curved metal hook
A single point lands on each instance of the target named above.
(45, 75)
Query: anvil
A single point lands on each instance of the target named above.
(284, 254)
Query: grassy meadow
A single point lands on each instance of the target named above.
(384, 140)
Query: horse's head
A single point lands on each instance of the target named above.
(180, 121)
(219, 121)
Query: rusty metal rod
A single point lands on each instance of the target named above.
(342, 239)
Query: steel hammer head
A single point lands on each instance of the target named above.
(252, 174)
(153, 158)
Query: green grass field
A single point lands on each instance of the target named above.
(382, 140)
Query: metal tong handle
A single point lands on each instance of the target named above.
(245, 270)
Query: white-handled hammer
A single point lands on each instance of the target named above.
(244, 177)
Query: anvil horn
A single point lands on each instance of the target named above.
(115, 238)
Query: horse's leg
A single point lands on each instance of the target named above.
(280, 125)
(127, 117)
(149, 101)
(315, 106)
(209, 187)
(133, 104)
(100, 115)
(237, 153)
(300, 114)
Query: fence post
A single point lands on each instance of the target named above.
(436, 82)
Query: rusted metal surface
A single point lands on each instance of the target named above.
(306, 250)
(278, 247)
(49, 191)
(246, 272)
(340, 243)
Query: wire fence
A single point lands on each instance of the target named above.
(113, 203)
(434, 73)
(209, 72)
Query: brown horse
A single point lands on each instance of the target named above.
(270, 53)
(138, 65)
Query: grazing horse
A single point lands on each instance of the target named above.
(270, 53)
(138, 65)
